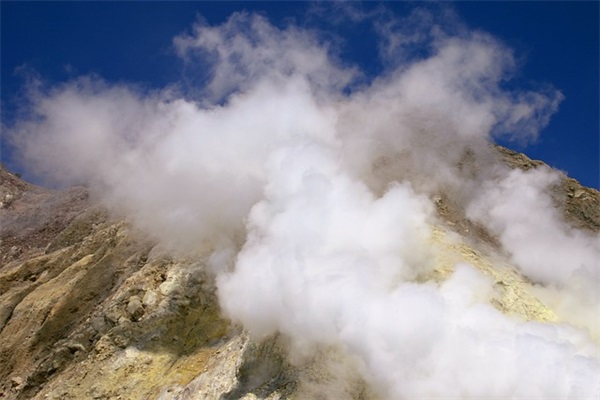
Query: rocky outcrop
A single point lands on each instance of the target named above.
(90, 308)
(580, 204)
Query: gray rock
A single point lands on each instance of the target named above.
(135, 308)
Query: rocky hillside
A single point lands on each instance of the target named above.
(92, 309)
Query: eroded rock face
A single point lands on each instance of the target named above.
(89, 308)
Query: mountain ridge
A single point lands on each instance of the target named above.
(92, 308)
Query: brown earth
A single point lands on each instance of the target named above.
(89, 308)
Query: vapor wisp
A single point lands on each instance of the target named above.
(312, 188)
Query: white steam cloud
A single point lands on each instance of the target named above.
(312, 189)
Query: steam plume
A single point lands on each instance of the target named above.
(312, 187)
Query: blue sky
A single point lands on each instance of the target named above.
(555, 43)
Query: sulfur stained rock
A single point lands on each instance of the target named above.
(89, 308)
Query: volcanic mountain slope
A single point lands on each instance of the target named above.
(92, 308)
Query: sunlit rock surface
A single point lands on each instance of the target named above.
(91, 308)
